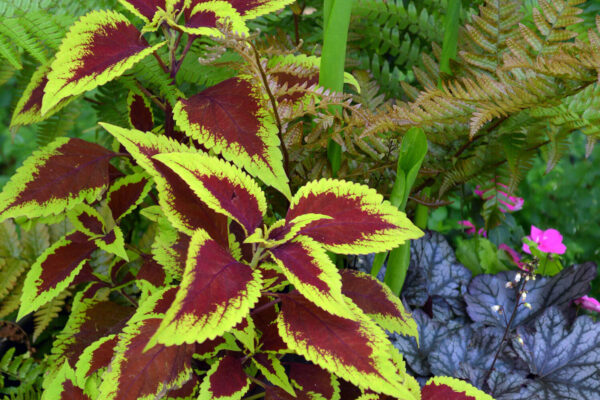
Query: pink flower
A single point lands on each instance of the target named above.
(589, 303)
(509, 203)
(471, 228)
(513, 254)
(549, 241)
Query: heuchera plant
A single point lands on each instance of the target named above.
(228, 290)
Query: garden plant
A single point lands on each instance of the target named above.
(237, 199)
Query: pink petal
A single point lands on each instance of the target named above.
(526, 247)
(551, 242)
(589, 303)
(536, 234)
(511, 252)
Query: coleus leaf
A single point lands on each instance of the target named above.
(99, 47)
(232, 118)
(140, 112)
(87, 220)
(378, 302)
(245, 333)
(145, 9)
(28, 109)
(355, 350)
(63, 386)
(113, 242)
(95, 357)
(222, 186)
(57, 177)
(126, 193)
(92, 318)
(54, 271)
(313, 381)
(361, 221)
(203, 19)
(215, 294)
(250, 9)
(177, 200)
(225, 380)
(270, 366)
(447, 388)
(170, 249)
(486, 291)
(134, 373)
(306, 265)
(564, 360)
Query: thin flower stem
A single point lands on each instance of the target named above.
(506, 331)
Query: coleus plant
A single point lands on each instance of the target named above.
(228, 293)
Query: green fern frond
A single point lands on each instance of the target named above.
(47, 313)
(22, 368)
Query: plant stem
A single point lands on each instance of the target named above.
(506, 331)
(255, 396)
(265, 306)
(160, 62)
(275, 109)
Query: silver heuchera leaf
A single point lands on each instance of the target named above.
(435, 272)
(565, 362)
(487, 291)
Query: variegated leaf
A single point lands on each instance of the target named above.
(215, 294)
(223, 187)
(54, 271)
(204, 18)
(270, 366)
(226, 380)
(134, 373)
(92, 318)
(313, 381)
(306, 265)
(57, 177)
(353, 349)
(140, 112)
(99, 47)
(87, 220)
(448, 388)
(250, 9)
(232, 118)
(113, 242)
(170, 249)
(177, 200)
(28, 109)
(378, 302)
(126, 193)
(361, 221)
(63, 387)
(95, 357)
(145, 9)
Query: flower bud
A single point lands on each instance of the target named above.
(509, 284)
(517, 277)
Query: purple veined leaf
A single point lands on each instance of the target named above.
(140, 112)
(134, 373)
(215, 294)
(178, 202)
(99, 47)
(360, 220)
(232, 118)
(54, 271)
(55, 178)
(226, 380)
(222, 186)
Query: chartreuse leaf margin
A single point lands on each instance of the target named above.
(99, 47)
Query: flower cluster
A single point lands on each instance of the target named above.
(507, 203)
(548, 241)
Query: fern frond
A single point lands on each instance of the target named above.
(58, 125)
(47, 313)
(22, 368)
